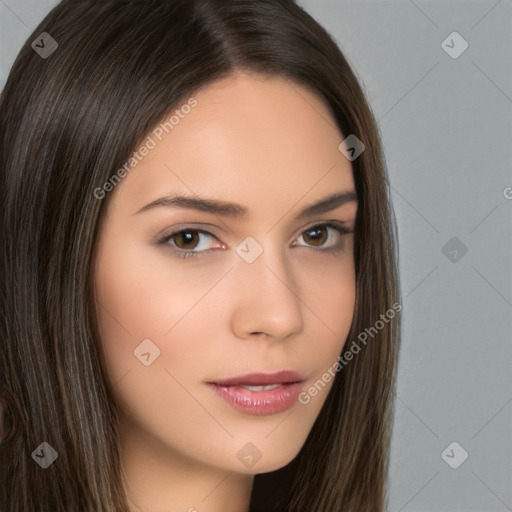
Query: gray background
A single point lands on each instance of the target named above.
(446, 125)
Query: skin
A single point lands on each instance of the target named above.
(272, 147)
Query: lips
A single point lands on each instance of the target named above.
(260, 393)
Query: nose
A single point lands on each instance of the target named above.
(266, 298)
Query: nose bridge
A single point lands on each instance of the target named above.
(267, 292)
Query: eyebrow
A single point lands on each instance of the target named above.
(235, 210)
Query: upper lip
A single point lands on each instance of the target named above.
(263, 378)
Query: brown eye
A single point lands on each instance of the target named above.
(186, 239)
(317, 235)
(325, 237)
(188, 242)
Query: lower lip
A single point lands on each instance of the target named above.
(260, 403)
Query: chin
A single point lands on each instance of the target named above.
(266, 460)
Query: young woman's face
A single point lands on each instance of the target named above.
(189, 299)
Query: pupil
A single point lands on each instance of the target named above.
(187, 236)
(317, 230)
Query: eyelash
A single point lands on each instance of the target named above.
(164, 239)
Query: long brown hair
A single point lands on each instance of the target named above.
(69, 120)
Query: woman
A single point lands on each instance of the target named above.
(200, 267)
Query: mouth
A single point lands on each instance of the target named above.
(260, 388)
(263, 379)
(260, 393)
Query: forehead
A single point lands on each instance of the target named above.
(249, 138)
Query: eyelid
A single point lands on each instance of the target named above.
(161, 240)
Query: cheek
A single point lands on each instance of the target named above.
(329, 301)
(328, 297)
(142, 295)
(151, 304)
